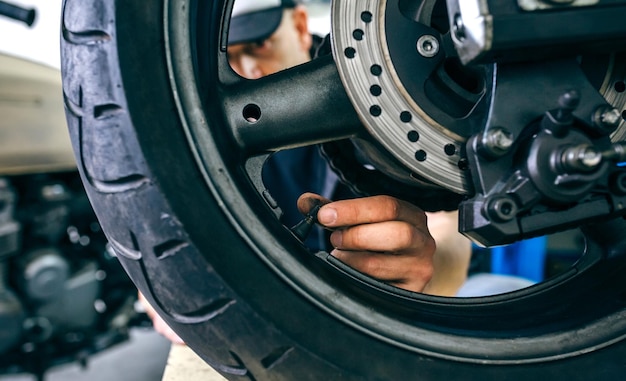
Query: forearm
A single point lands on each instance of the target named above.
(452, 256)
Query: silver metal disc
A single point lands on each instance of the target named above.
(392, 117)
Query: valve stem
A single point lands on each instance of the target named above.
(303, 228)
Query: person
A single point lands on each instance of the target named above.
(386, 238)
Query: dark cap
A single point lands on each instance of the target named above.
(256, 20)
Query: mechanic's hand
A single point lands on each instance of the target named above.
(159, 324)
(380, 236)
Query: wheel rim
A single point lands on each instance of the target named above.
(495, 329)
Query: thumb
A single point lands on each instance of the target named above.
(308, 201)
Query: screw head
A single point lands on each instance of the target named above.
(428, 46)
(502, 209)
(581, 158)
(497, 141)
(611, 117)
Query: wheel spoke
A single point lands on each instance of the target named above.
(300, 106)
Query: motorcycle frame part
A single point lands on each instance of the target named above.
(492, 30)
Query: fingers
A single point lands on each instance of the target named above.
(371, 210)
(380, 236)
(406, 271)
(394, 252)
(362, 210)
(388, 236)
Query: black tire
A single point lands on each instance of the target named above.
(152, 132)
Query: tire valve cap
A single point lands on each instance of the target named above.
(303, 228)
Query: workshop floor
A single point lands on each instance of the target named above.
(143, 358)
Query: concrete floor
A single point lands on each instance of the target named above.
(142, 358)
(184, 365)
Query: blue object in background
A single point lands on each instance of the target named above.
(526, 259)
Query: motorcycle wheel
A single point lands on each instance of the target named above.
(170, 154)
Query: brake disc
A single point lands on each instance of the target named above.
(413, 95)
(387, 108)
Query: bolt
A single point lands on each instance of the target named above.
(607, 118)
(498, 141)
(611, 117)
(428, 46)
(581, 158)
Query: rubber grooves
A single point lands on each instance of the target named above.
(169, 248)
(247, 373)
(120, 250)
(106, 111)
(206, 313)
(140, 225)
(276, 357)
(86, 37)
